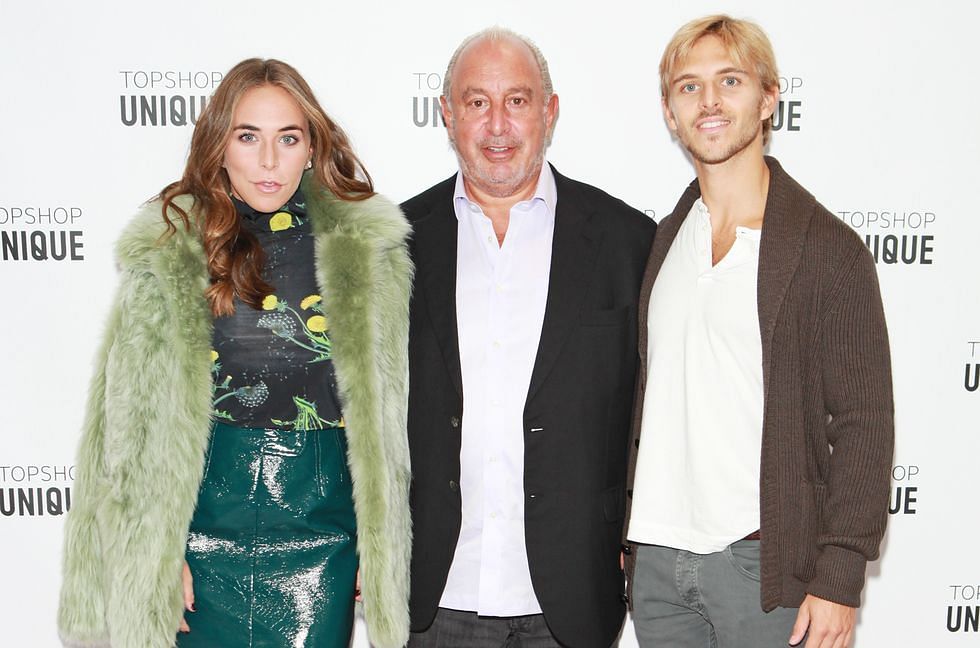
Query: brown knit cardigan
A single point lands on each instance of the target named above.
(827, 431)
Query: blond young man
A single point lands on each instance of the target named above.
(763, 428)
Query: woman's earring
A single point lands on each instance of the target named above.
(309, 163)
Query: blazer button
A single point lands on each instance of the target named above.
(636, 443)
(629, 493)
(454, 421)
(453, 486)
(627, 550)
(625, 599)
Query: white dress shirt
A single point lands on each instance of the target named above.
(501, 291)
(697, 471)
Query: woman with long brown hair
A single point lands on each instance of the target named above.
(243, 464)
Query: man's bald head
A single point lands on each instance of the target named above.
(495, 34)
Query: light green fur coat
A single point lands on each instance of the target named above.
(148, 418)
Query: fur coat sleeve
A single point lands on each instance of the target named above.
(141, 453)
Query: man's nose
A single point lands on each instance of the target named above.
(710, 97)
(498, 123)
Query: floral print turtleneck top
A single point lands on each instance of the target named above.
(272, 367)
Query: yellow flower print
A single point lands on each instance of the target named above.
(270, 302)
(214, 355)
(317, 324)
(309, 301)
(280, 221)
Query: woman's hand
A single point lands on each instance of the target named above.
(188, 582)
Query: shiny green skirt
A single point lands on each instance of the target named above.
(272, 543)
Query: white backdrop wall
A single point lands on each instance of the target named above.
(877, 120)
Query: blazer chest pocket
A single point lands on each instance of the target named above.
(610, 317)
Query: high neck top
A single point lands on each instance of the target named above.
(272, 367)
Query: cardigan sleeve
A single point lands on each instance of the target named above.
(856, 376)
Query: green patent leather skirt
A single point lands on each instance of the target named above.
(272, 543)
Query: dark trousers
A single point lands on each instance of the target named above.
(455, 629)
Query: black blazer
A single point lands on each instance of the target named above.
(576, 417)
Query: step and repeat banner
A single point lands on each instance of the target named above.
(876, 119)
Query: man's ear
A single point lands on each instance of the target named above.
(447, 113)
(668, 115)
(770, 99)
(551, 111)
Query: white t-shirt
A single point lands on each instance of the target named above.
(697, 472)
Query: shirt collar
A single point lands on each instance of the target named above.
(700, 208)
(546, 191)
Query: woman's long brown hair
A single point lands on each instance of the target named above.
(234, 256)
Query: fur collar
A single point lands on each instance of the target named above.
(143, 244)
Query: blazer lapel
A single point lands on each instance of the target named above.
(784, 228)
(573, 254)
(435, 278)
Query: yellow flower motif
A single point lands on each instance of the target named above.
(270, 302)
(309, 301)
(317, 324)
(214, 355)
(280, 221)
(342, 423)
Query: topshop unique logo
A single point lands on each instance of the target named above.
(895, 237)
(971, 379)
(32, 240)
(964, 616)
(145, 101)
(426, 110)
(26, 499)
(904, 497)
(789, 111)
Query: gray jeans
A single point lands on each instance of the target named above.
(455, 629)
(687, 600)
